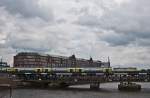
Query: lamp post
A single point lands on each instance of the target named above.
(10, 91)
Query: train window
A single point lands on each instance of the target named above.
(16, 70)
(46, 70)
(107, 70)
(80, 70)
(38, 70)
(71, 70)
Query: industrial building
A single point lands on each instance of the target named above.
(32, 59)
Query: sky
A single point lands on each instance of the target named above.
(87, 28)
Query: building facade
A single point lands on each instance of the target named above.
(29, 59)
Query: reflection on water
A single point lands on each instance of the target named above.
(108, 90)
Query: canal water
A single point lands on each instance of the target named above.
(108, 90)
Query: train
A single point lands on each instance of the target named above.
(56, 70)
(108, 70)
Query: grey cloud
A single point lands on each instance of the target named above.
(130, 20)
(143, 42)
(25, 29)
(20, 33)
(88, 20)
(117, 39)
(27, 8)
(32, 40)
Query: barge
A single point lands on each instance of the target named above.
(128, 86)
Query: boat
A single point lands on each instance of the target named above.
(128, 86)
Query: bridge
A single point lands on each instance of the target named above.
(64, 79)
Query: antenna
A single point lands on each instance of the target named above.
(91, 50)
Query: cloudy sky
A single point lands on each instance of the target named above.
(119, 29)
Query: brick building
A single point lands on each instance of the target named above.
(29, 59)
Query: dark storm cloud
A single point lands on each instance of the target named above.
(26, 8)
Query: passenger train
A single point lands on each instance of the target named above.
(74, 70)
(57, 70)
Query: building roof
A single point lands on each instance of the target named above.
(57, 56)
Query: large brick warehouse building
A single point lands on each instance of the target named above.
(32, 59)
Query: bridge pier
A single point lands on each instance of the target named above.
(45, 85)
(63, 85)
(94, 86)
(58, 85)
(41, 85)
(35, 84)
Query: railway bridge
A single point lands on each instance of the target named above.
(61, 78)
(65, 79)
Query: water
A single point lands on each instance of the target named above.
(108, 90)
